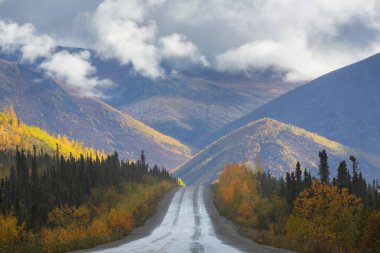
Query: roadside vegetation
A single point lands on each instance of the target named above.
(300, 212)
(58, 200)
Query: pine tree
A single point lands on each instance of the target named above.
(324, 167)
(298, 174)
(307, 180)
(288, 181)
(342, 179)
(355, 176)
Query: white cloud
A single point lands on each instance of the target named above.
(293, 56)
(75, 69)
(124, 31)
(177, 46)
(72, 69)
(307, 38)
(123, 34)
(33, 45)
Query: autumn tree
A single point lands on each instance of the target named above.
(371, 237)
(238, 192)
(326, 216)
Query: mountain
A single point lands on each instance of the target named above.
(186, 105)
(343, 105)
(279, 147)
(47, 104)
(15, 133)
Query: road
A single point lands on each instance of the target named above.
(186, 221)
(186, 227)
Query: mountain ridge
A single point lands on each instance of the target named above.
(342, 105)
(279, 146)
(48, 104)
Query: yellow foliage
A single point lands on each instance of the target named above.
(114, 214)
(371, 237)
(180, 182)
(10, 232)
(99, 228)
(325, 216)
(120, 219)
(15, 133)
(66, 216)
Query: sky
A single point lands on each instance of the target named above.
(305, 39)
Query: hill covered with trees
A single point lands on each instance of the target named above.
(301, 212)
(56, 195)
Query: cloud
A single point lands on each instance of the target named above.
(14, 36)
(306, 38)
(122, 34)
(293, 57)
(177, 46)
(75, 70)
(124, 31)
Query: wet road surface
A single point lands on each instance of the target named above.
(186, 227)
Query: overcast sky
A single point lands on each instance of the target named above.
(305, 38)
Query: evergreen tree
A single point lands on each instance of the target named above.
(343, 176)
(323, 167)
(355, 184)
(298, 175)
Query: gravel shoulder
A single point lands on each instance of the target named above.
(142, 231)
(229, 233)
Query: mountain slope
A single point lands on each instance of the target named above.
(343, 105)
(186, 106)
(279, 145)
(14, 133)
(43, 102)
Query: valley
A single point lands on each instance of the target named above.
(189, 126)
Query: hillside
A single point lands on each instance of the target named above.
(343, 105)
(184, 105)
(14, 133)
(45, 103)
(279, 146)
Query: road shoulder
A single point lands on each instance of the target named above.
(140, 232)
(229, 233)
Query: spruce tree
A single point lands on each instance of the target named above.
(355, 176)
(342, 179)
(298, 174)
(323, 167)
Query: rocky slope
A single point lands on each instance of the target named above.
(279, 146)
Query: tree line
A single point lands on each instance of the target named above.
(303, 212)
(298, 180)
(37, 182)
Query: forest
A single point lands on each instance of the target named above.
(63, 196)
(301, 212)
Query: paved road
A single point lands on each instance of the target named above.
(186, 227)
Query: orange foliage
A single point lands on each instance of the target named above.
(237, 188)
(325, 216)
(120, 220)
(113, 215)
